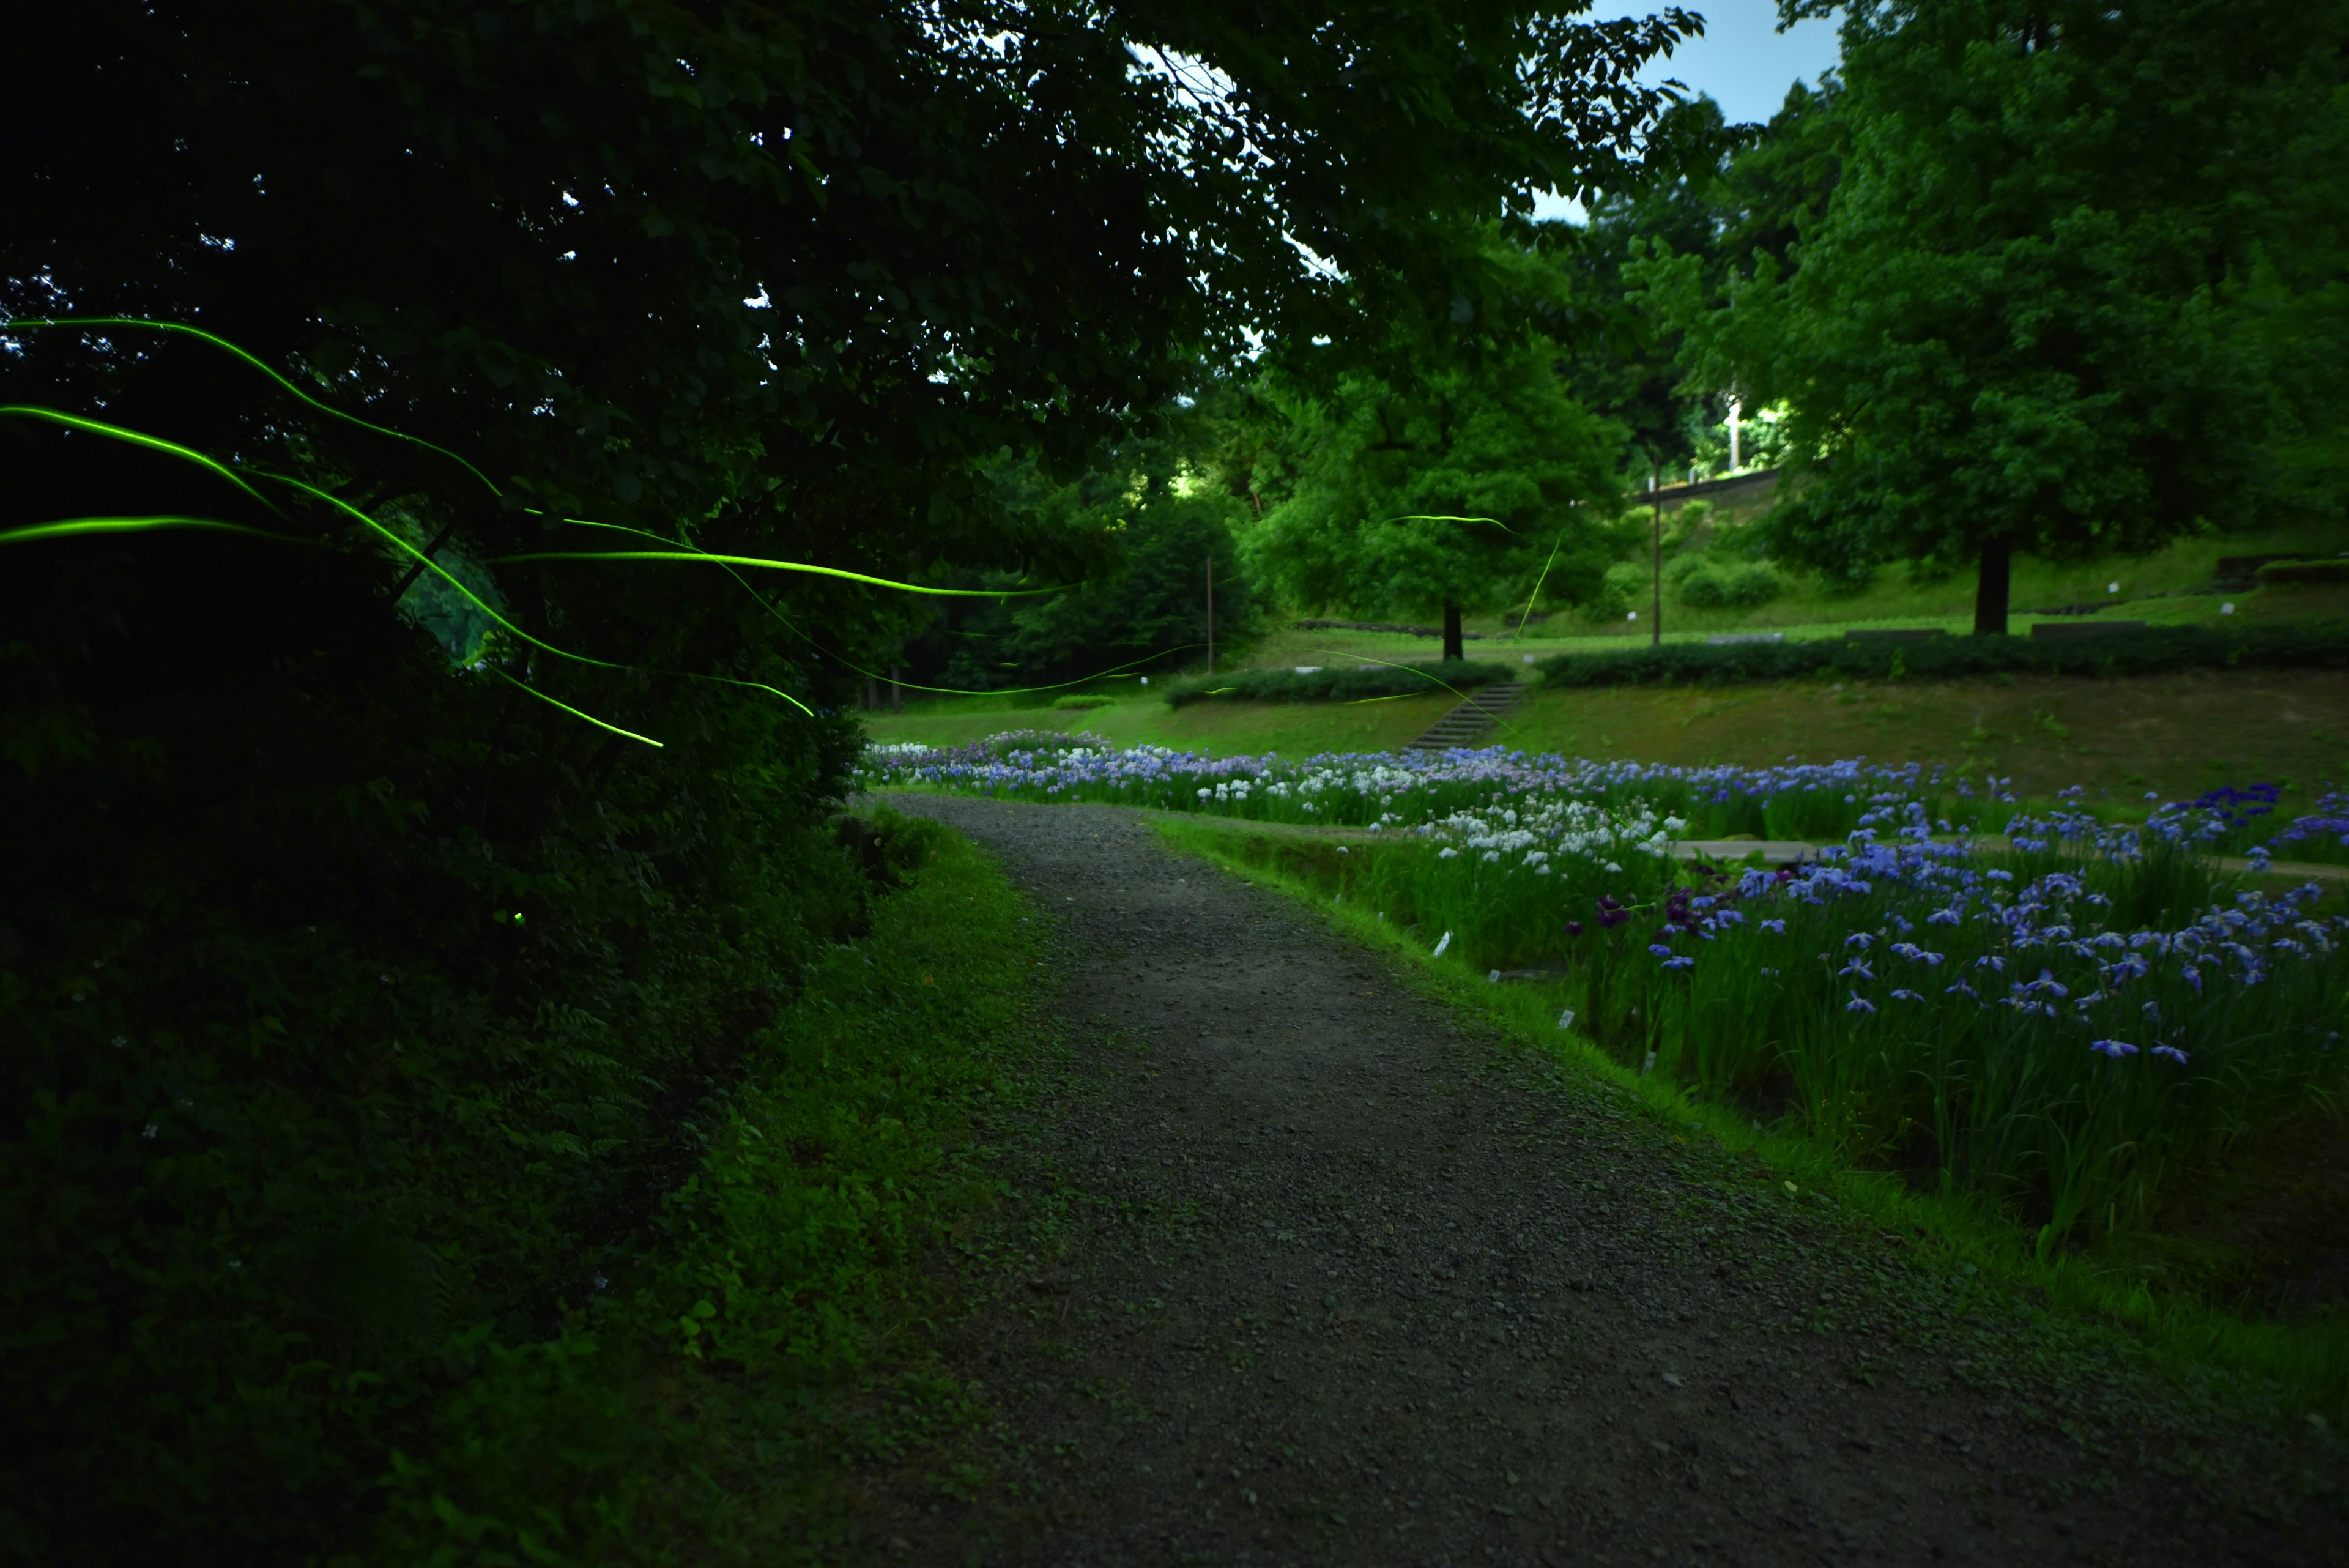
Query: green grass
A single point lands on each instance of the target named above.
(2308, 1360)
(705, 1407)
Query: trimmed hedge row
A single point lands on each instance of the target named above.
(2298, 574)
(1336, 684)
(2151, 651)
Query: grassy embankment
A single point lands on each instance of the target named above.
(709, 1406)
(2234, 1275)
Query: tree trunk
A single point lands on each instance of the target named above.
(1452, 631)
(1990, 587)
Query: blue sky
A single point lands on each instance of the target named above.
(1742, 60)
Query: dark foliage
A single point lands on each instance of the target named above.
(358, 1005)
(2154, 650)
(1163, 531)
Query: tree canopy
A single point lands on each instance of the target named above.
(423, 972)
(1458, 489)
(2020, 321)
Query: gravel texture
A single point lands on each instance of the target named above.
(1313, 1270)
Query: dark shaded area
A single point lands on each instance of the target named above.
(2091, 650)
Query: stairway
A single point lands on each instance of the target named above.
(1461, 726)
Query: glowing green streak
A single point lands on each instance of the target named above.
(226, 347)
(768, 605)
(434, 567)
(70, 528)
(574, 712)
(134, 438)
(1535, 596)
(1391, 664)
(1021, 691)
(769, 566)
(537, 642)
(1415, 517)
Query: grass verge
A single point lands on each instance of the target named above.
(777, 1332)
(2305, 1363)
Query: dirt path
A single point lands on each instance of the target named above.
(1338, 1280)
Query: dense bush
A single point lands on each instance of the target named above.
(2151, 651)
(2311, 573)
(1740, 587)
(1339, 685)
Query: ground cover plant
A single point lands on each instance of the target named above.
(2049, 1012)
(701, 1400)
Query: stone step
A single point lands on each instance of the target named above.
(1472, 718)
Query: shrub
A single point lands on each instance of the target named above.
(1743, 587)
(1080, 701)
(1687, 564)
(1340, 684)
(2305, 574)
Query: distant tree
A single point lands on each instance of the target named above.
(2019, 323)
(1444, 492)
(1160, 526)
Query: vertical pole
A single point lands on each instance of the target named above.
(1211, 613)
(1733, 412)
(1656, 611)
(896, 689)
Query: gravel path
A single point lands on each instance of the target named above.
(1330, 1276)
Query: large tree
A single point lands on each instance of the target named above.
(1455, 489)
(783, 280)
(2019, 325)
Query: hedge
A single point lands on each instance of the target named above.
(2151, 651)
(1340, 684)
(2305, 574)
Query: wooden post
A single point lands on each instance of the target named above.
(1656, 611)
(1211, 614)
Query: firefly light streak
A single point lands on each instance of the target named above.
(69, 527)
(681, 547)
(73, 527)
(182, 329)
(764, 564)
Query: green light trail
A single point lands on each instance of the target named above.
(133, 438)
(70, 528)
(226, 347)
(1535, 597)
(764, 564)
(785, 621)
(574, 712)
